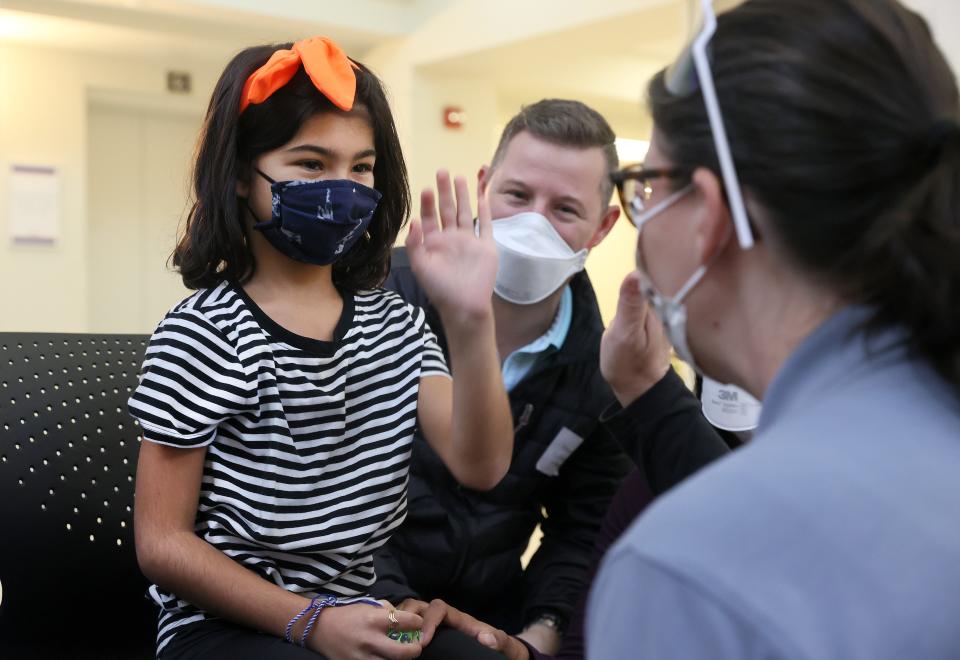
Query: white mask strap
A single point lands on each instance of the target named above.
(661, 206)
(692, 282)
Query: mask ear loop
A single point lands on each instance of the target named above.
(663, 205)
(679, 296)
(698, 274)
(261, 224)
(260, 172)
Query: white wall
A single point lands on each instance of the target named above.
(944, 19)
(138, 178)
(43, 120)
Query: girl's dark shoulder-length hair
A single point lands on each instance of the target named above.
(213, 246)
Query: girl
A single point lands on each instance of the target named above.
(279, 401)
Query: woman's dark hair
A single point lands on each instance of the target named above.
(214, 244)
(844, 123)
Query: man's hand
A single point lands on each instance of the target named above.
(432, 618)
(437, 612)
(543, 638)
(634, 352)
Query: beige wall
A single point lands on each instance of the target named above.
(463, 150)
(46, 122)
(417, 98)
(45, 96)
(138, 187)
(43, 121)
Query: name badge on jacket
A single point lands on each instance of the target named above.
(558, 451)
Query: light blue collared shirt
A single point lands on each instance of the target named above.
(832, 535)
(519, 363)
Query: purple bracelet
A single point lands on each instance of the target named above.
(317, 604)
(327, 601)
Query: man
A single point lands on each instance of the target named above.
(554, 159)
(660, 425)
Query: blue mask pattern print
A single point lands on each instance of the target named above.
(317, 222)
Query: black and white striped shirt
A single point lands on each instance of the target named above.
(308, 442)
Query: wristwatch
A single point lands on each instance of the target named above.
(551, 621)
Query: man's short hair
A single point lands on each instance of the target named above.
(565, 123)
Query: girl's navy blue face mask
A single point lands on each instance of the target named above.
(317, 222)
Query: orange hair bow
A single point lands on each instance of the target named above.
(330, 70)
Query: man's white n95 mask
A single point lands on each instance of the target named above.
(535, 261)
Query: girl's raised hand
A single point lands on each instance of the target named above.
(455, 265)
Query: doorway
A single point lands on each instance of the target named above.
(138, 189)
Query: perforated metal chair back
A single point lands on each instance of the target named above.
(68, 454)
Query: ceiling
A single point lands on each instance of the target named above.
(604, 63)
(208, 29)
(601, 61)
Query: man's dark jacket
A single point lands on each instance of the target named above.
(465, 546)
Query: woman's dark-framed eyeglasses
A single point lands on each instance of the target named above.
(634, 185)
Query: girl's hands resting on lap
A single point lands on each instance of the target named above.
(359, 632)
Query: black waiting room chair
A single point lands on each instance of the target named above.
(71, 587)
